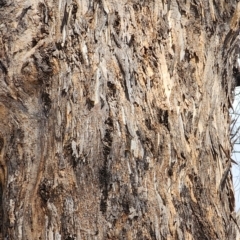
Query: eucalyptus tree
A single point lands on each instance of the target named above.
(115, 119)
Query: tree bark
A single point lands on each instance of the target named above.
(114, 119)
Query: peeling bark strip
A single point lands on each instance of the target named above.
(114, 119)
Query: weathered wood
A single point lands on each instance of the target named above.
(114, 119)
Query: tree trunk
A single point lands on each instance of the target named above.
(114, 119)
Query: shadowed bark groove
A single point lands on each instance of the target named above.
(114, 119)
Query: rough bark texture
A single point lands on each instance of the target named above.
(114, 119)
(238, 225)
